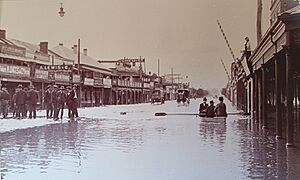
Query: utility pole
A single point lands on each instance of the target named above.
(78, 67)
(172, 83)
(258, 21)
(158, 67)
(78, 53)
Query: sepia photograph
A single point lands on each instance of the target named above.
(149, 89)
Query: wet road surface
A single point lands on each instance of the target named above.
(138, 145)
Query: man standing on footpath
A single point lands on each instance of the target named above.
(61, 99)
(55, 102)
(48, 97)
(5, 98)
(68, 101)
(20, 102)
(32, 101)
(73, 102)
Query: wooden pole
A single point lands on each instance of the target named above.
(264, 98)
(158, 67)
(258, 21)
(172, 83)
(78, 67)
(278, 99)
(289, 94)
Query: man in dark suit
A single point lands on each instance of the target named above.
(203, 107)
(61, 100)
(48, 100)
(20, 102)
(32, 101)
(73, 102)
(5, 98)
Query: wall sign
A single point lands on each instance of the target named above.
(15, 70)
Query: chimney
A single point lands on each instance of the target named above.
(2, 34)
(44, 47)
(75, 49)
(60, 44)
(85, 51)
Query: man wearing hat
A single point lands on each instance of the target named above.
(61, 99)
(210, 111)
(20, 102)
(73, 102)
(203, 107)
(55, 102)
(69, 101)
(32, 101)
(48, 101)
(4, 98)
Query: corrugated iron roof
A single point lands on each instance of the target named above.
(69, 54)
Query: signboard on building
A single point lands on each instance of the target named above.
(146, 85)
(131, 60)
(57, 67)
(107, 83)
(151, 85)
(76, 78)
(114, 82)
(65, 77)
(15, 70)
(88, 82)
(98, 82)
(41, 74)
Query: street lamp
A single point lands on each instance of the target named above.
(61, 11)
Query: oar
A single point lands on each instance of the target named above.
(195, 114)
(164, 114)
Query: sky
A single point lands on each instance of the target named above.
(182, 34)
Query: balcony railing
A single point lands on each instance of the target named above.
(127, 83)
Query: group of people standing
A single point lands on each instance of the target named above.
(210, 110)
(25, 100)
(56, 98)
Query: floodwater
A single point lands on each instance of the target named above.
(139, 146)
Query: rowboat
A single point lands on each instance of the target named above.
(213, 119)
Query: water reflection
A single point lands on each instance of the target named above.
(64, 146)
(238, 148)
(213, 133)
(264, 157)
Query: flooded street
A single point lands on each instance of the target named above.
(107, 145)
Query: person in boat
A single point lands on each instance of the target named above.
(221, 108)
(210, 112)
(203, 107)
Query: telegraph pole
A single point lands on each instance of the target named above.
(258, 21)
(78, 67)
(78, 56)
(172, 82)
(158, 67)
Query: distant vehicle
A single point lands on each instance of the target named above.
(183, 96)
(157, 96)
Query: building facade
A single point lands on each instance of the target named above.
(273, 85)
